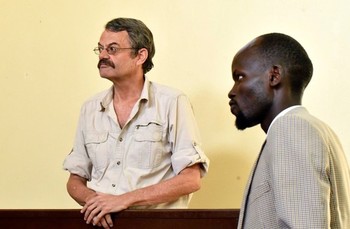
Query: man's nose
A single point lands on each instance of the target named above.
(103, 54)
(232, 92)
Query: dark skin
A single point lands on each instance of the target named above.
(260, 92)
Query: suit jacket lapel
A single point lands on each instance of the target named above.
(247, 189)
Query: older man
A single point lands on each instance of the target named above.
(137, 143)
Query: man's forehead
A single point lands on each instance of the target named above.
(248, 56)
(250, 46)
(118, 37)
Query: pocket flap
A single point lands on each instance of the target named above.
(96, 137)
(259, 191)
(149, 132)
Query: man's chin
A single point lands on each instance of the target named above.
(104, 76)
(240, 126)
(104, 73)
(242, 123)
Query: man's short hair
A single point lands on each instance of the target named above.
(277, 48)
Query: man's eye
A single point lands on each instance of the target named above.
(112, 49)
(238, 78)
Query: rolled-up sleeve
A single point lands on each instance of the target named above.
(77, 161)
(186, 158)
(185, 138)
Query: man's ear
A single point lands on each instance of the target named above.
(275, 75)
(142, 55)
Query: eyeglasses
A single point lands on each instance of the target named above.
(111, 50)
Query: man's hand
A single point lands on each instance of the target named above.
(98, 207)
(106, 222)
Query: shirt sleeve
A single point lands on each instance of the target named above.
(78, 161)
(185, 138)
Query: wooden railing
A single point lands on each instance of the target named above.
(128, 219)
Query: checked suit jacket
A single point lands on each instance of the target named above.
(300, 179)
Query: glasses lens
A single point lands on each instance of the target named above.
(97, 51)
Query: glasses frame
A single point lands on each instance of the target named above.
(111, 50)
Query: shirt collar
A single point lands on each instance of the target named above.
(145, 91)
(108, 98)
(282, 113)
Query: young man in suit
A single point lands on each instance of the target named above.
(301, 176)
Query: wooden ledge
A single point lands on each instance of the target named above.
(128, 219)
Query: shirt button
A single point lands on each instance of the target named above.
(113, 185)
(118, 162)
(120, 139)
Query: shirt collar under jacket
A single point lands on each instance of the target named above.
(282, 113)
(109, 96)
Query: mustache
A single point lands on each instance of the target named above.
(105, 62)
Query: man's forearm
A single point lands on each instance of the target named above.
(188, 181)
(77, 189)
(100, 204)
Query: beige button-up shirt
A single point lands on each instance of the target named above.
(159, 140)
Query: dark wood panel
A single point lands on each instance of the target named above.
(129, 219)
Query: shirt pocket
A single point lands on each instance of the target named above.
(147, 146)
(99, 148)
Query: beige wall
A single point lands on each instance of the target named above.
(48, 69)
